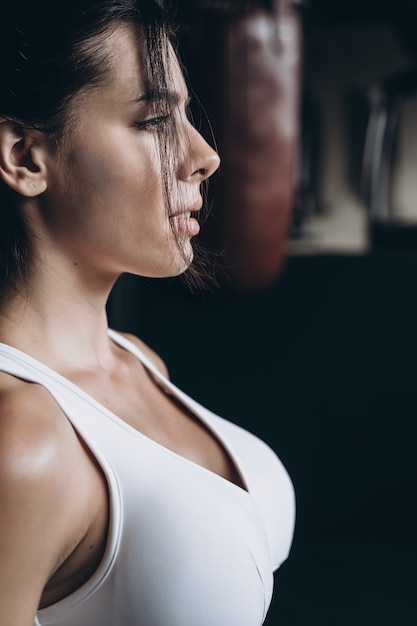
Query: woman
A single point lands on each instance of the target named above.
(123, 502)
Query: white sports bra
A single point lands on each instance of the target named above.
(185, 547)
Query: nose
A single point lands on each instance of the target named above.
(200, 160)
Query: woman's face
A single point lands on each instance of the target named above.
(104, 207)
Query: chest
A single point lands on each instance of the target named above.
(140, 401)
(144, 406)
(185, 547)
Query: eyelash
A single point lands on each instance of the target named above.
(153, 123)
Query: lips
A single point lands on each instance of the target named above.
(185, 223)
(193, 208)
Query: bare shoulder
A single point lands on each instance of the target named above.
(148, 352)
(36, 457)
(27, 421)
(37, 448)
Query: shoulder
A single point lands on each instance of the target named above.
(37, 446)
(148, 352)
(27, 421)
(37, 453)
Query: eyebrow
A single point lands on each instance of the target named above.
(162, 95)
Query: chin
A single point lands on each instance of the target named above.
(183, 267)
(183, 259)
(177, 265)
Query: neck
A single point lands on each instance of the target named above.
(60, 323)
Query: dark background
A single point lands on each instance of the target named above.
(321, 365)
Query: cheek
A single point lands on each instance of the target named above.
(121, 177)
(116, 186)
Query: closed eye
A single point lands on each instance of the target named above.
(153, 123)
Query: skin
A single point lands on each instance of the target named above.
(96, 210)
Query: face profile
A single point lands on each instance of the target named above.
(104, 204)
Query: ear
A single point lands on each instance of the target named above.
(22, 159)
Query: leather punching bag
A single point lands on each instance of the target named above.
(245, 66)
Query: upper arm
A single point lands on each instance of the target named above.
(24, 563)
(34, 508)
(149, 353)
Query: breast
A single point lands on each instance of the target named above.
(193, 550)
(186, 546)
(190, 549)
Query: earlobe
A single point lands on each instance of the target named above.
(22, 165)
